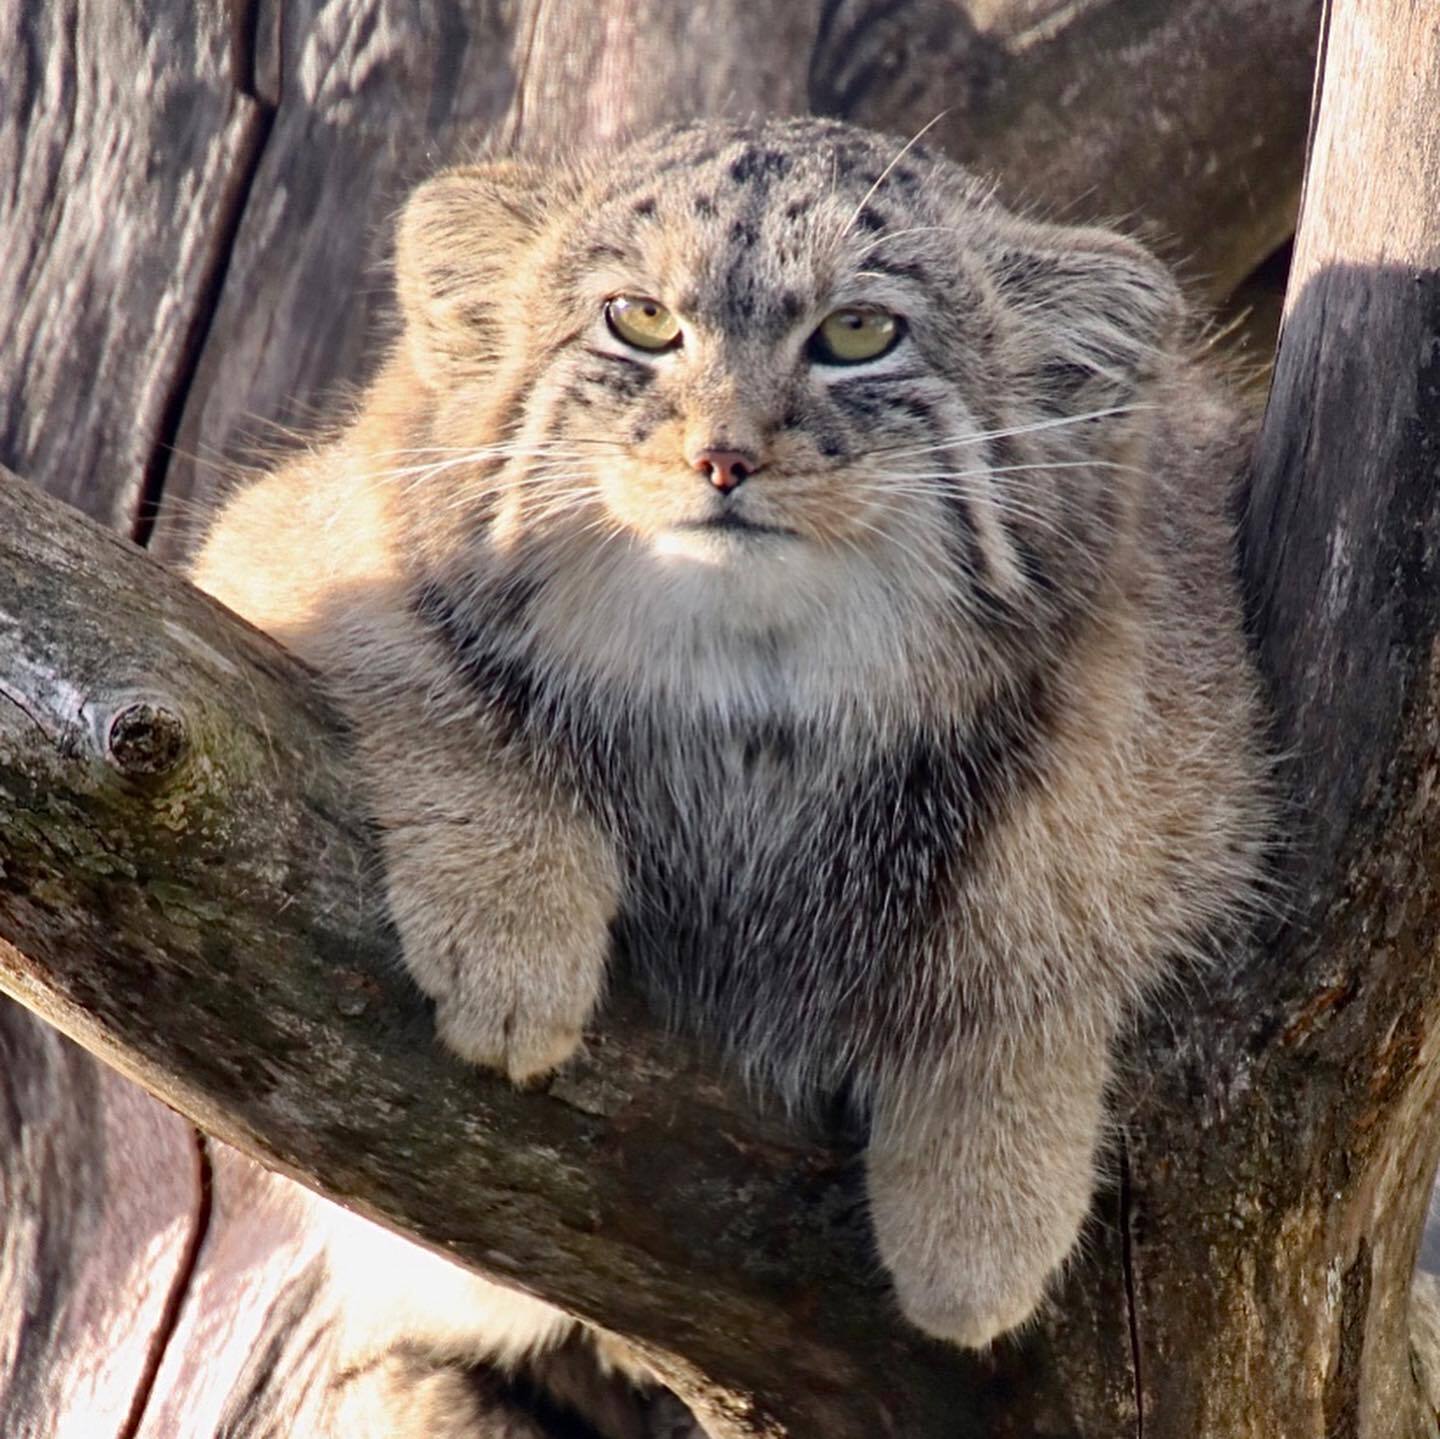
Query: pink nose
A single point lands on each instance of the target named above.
(725, 469)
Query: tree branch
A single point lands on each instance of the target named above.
(1284, 1144)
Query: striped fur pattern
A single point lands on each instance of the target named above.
(906, 767)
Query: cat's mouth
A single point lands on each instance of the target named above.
(728, 522)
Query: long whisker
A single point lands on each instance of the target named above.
(1032, 518)
(981, 436)
(912, 230)
(885, 173)
(509, 446)
(982, 470)
(419, 475)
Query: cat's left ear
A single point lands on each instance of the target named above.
(1096, 312)
(462, 240)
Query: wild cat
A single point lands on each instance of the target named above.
(765, 563)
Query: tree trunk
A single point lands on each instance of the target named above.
(186, 887)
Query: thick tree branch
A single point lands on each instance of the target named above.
(1284, 1144)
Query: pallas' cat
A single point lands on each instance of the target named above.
(766, 564)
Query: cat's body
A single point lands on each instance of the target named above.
(890, 716)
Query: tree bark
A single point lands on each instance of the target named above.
(1306, 1078)
(186, 888)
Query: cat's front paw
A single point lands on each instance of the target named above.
(523, 1036)
(972, 1236)
(969, 1310)
(512, 991)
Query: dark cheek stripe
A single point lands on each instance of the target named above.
(502, 683)
(963, 541)
(655, 413)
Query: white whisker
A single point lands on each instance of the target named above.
(981, 436)
(885, 173)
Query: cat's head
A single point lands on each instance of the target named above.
(747, 365)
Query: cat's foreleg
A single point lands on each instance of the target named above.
(503, 895)
(981, 1169)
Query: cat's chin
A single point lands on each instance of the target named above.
(717, 544)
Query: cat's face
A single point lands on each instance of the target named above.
(740, 305)
(760, 370)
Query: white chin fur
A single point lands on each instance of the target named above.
(728, 623)
(708, 547)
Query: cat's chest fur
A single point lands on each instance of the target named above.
(774, 869)
(783, 864)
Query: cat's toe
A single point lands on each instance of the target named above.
(504, 1038)
(970, 1318)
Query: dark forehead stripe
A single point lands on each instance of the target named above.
(745, 233)
(602, 250)
(755, 165)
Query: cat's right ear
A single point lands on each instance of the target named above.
(462, 238)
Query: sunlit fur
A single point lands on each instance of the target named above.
(916, 789)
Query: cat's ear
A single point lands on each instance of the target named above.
(461, 241)
(1096, 310)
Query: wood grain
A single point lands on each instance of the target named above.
(101, 1206)
(1247, 1274)
(1185, 122)
(1306, 1077)
(124, 145)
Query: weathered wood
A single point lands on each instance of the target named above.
(126, 137)
(1185, 120)
(91, 1263)
(1185, 116)
(1248, 1276)
(1275, 1219)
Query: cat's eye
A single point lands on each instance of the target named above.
(852, 336)
(644, 323)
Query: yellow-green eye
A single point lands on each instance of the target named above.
(641, 322)
(850, 337)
